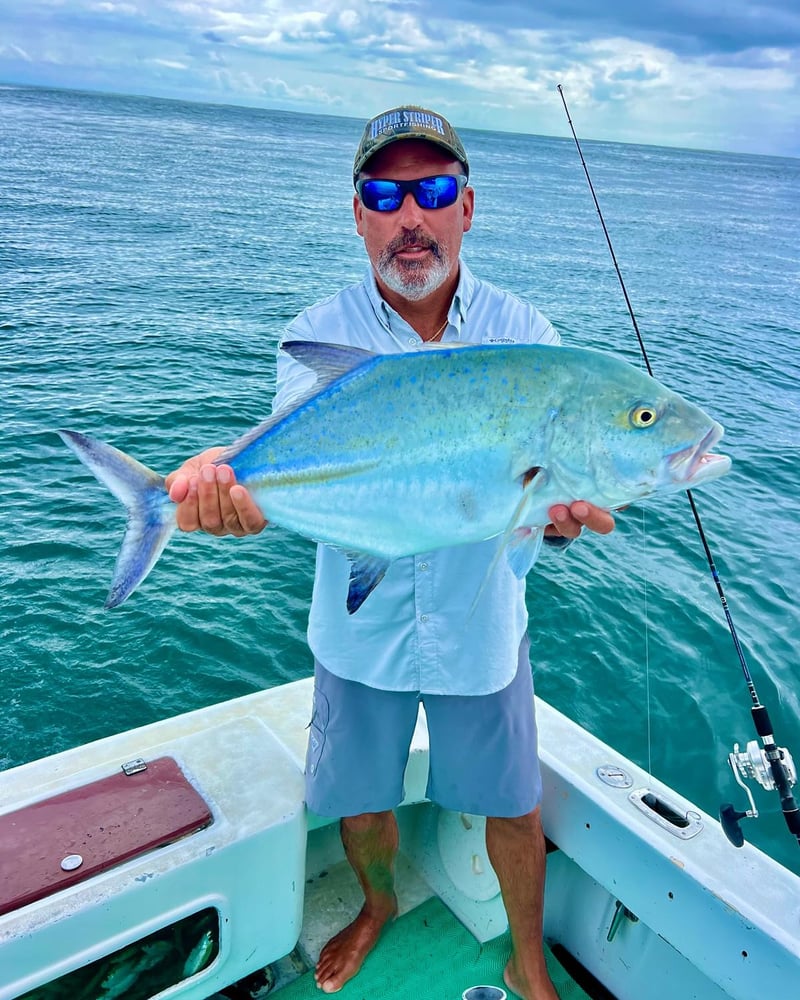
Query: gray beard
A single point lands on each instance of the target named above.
(414, 280)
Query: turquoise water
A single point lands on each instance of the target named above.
(151, 254)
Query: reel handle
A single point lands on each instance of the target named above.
(729, 819)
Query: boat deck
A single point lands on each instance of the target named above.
(645, 891)
(426, 954)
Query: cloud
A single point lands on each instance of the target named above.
(685, 26)
(168, 64)
(14, 52)
(113, 8)
(725, 73)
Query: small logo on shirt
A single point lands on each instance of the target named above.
(499, 340)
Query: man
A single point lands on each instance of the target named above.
(417, 636)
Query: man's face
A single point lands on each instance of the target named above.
(414, 251)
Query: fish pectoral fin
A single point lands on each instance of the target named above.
(522, 550)
(533, 478)
(366, 572)
(530, 474)
(520, 544)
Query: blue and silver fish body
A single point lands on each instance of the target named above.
(391, 455)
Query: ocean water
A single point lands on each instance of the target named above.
(151, 253)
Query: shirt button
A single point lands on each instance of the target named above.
(412, 340)
(423, 618)
(423, 566)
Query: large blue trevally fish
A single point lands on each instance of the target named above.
(391, 455)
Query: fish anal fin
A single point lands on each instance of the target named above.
(366, 572)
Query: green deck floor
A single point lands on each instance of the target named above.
(428, 955)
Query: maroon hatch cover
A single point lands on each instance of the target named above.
(68, 838)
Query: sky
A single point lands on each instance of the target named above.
(708, 74)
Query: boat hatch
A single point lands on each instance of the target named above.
(57, 842)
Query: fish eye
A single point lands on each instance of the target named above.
(643, 415)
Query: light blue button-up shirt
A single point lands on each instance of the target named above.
(418, 630)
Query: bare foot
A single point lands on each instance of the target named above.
(344, 954)
(540, 988)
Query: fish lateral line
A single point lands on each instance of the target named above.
(303, 477)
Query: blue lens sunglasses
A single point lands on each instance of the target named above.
(429, 192)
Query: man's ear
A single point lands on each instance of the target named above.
(469, 207)
(358, 213)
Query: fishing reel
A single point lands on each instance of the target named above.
(759, 764)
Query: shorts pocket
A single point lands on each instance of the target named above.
(320, 713)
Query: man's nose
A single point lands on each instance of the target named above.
(409, 213)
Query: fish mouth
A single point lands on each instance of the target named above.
(697, 463)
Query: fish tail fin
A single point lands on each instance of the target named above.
(151, 515)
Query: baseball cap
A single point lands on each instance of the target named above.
(408, 122)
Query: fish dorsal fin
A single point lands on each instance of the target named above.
(366, 572)
(328, 361)
(446, 345)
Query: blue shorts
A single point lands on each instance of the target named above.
(483, 755)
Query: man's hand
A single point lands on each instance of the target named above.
(210, 500)
(568, 521)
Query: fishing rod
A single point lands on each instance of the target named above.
(770, 765)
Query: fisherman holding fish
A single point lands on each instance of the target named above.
(421, 636)
(429, 478)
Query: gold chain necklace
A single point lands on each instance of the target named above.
(438, 333)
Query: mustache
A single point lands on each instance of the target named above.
(411, 238)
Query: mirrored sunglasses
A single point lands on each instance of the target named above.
(429, 192)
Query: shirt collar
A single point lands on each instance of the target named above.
(379, 305)
(464, 292)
